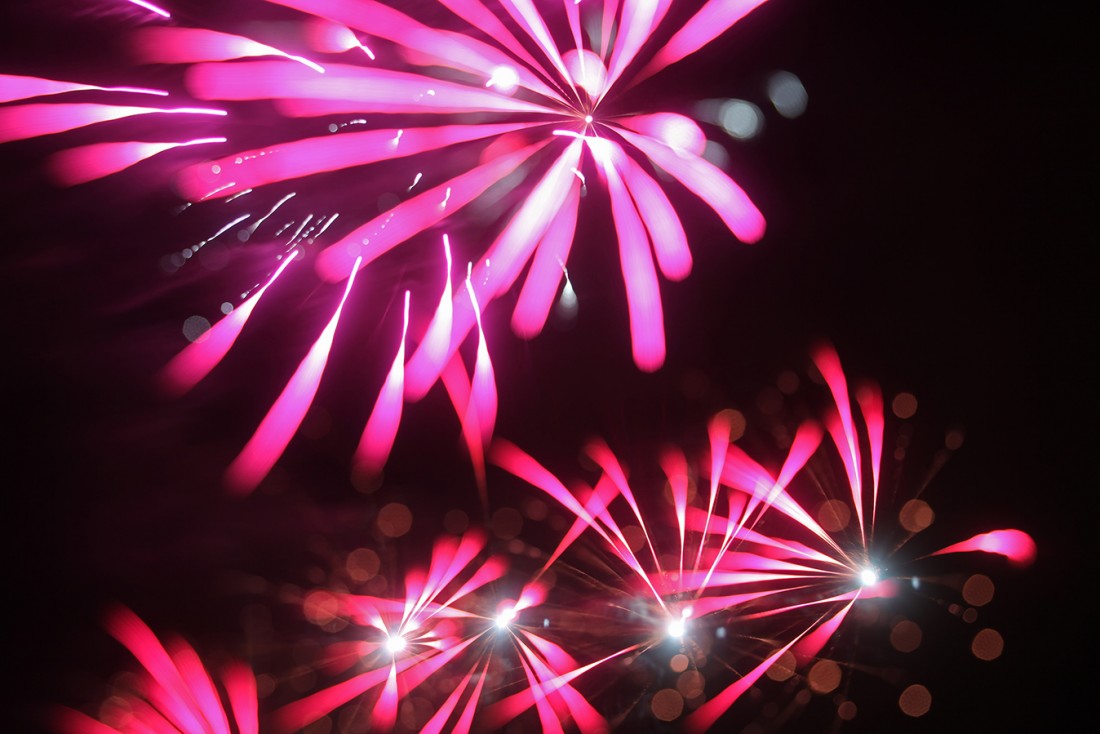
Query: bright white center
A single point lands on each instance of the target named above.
(868, 577)
(395, 644)
(505, 79)
(588, 119)
(505, 618)
(676, 628)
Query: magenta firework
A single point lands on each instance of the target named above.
(469, 102)
(783, 555)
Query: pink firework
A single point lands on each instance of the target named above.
(450, 639)
(748, 554)
(173, 691)
(519, 95)
(543, 79)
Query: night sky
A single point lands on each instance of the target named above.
(915, 221)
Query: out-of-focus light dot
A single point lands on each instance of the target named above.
(320, 607)
(802, 697)
(716, 154)
(333, 127)
(394, 520)
(846, 711)
(905, 636)
(783, 668)
(415, 713)
(186, 254)
(227, 308)
(506, 523)
(953, 441)
(970, 616)
(824, 676)
(915, 582)
(904, 405)
(667, 704)
(720, 633)
(215, 168)
(915, 700)
(545, 622)
(635, 537)
(387, 201)
(690, 684)
(916, 515)
(536, 509)
(456, 522)
(787, 382)
(868, 577)
(736, 421)
(742, 120)
(988, 645)
(833, 515)
(194, 327)
(786, 92)
(978, 590)
(678, 663)
(265, 685)
(362, 564)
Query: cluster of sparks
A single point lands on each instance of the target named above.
(530, 87)
(674, 582)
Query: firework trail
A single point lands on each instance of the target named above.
(528, 89)
(172, 692)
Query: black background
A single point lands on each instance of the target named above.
(920, 217)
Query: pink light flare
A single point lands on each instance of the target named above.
(522, 70)
(173, 691)
(1015, 545)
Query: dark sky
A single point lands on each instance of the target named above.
(918, 216)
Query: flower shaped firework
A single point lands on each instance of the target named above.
(521, 96)
(803, 574)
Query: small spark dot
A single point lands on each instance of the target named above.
(505, 618)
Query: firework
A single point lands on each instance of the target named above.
(748, 554)
(446, 637)
(527, 91)
(173, 691)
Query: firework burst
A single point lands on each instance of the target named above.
(518, 95)
(452, 639)
(749, 556)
